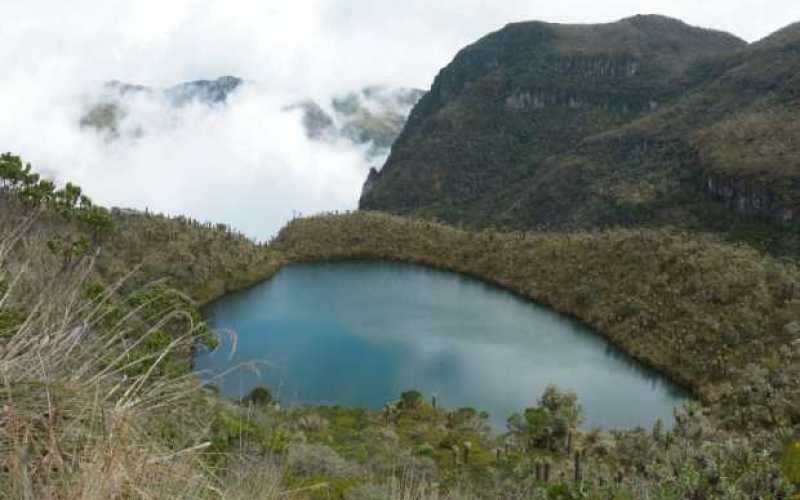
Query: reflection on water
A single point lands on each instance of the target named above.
(360, 333)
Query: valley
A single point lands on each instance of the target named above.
(577, 275)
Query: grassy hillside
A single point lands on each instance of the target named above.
(205, 261)
(643, 122)
(202, 260)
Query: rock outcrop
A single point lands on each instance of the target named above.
(372, 179)
(751, 199)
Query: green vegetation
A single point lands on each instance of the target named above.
(203, 261)
(90, 393)
(100, 402)
(70, 202)
(259, 396)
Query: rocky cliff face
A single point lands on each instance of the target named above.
(751, 199)
(642, 121)
(372, 179)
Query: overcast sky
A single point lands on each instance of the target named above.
(53, 52)
(402, 42)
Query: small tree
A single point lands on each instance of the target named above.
(531, 427)
(10, 170)
(40, 192)
(411, 400)
(260, 396)
(68, 197)
(565, 412)
(549, 423)
(99, 219)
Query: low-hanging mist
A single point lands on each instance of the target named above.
(248, 160)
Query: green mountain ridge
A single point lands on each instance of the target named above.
(643, 121)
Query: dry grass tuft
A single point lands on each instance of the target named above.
(76, 421)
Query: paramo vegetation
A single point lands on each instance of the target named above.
(99, 401)
(18, 179)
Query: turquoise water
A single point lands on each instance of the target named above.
(360, 333)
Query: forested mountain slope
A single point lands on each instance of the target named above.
(642, 121)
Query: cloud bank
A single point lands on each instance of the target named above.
(249, 163)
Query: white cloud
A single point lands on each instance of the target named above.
(250, 164)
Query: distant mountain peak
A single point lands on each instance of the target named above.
(372, 116)
(206, 91)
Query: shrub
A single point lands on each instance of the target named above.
(312, 423)
(78, 419)
(790, 463)
(411, 400)
(260, 396)
(319, 460)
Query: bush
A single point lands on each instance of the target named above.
(790, 463)
(319, 460)
(411, 400)
(260, 396)
(547, 425)
(312, 423)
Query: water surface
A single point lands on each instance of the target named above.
(360, 333)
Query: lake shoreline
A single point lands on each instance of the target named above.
(674, 377)
(678, 380)
(667, 298)
(492, 287)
